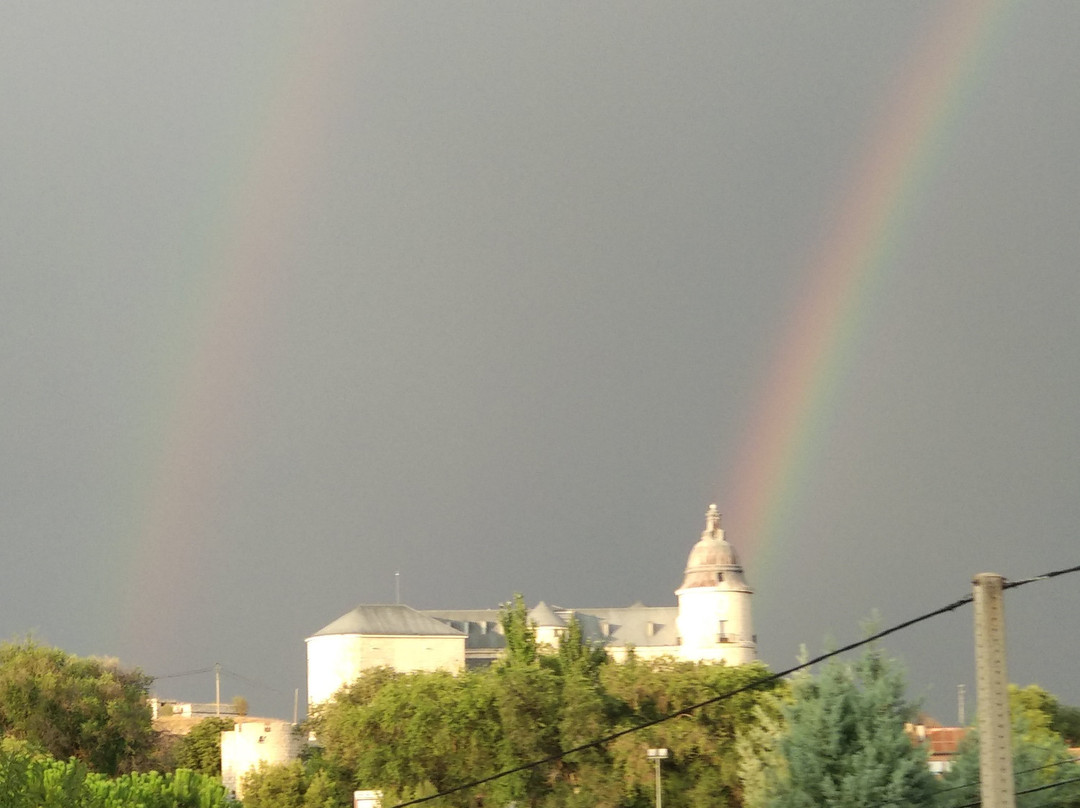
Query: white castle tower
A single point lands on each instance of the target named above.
(714, 602)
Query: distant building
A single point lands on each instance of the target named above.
(711, 623)
(253, 742)
(943, 744)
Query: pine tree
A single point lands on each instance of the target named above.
(846, 746)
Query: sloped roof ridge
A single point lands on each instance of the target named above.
(387, 619)
(542, 615)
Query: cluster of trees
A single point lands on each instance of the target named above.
(1041, 755)
(77, 734)
(414, 734)
(836, 738)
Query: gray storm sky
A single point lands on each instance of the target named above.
(296, 296)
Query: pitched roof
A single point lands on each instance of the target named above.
(542, 615)
(388, 619)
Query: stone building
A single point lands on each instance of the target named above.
(251, 743)
(710, 623)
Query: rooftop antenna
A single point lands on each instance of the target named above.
(397, 587)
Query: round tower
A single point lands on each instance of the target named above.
(714, 602)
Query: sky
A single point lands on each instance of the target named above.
(501, 296)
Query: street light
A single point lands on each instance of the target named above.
(656, 755)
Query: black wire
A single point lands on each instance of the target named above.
(1015, 774)
(248, 680)
(184, 673)
(1044, 577)
(687, 710)
(1028, 791)
(755, 684)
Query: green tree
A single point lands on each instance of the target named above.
(758, 745)
(200, 749)
(415, 734)
(1043, 710)
(519, 632)
(1040, 756)
(279, 786)
(86, 708)
(704, 766)
(846, 746)
(1067, 723)
(32, 779)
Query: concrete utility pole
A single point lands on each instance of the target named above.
(217, 689)
(997, 789)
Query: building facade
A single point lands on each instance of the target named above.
(710, 623)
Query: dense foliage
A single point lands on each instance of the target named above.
(72, 707)
(412, 734)
(1040, 756)
(31, 779)
(200, 749)
(845, 744)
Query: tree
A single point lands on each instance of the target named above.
(758, 746)
(1040, 756)
(200, 749)
(703, 769)
(846, 744)
(68, 706)
(32, 779)
(519, 632)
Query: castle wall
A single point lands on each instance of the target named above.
(335, 660)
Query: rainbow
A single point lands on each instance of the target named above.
(908, 142)
(239, 257)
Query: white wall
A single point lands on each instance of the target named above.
(247, 745)
(335, 660)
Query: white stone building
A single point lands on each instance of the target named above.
(710, 623)
(250, 743)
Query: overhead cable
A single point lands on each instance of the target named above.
(949, 607)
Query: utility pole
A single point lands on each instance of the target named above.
(295, 704)
(217, 689)
(397, 586)
(961, 698)
(997, 789)
(657, 755)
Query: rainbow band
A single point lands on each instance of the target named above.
(907, 145)
(241, 267)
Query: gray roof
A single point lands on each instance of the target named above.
(388, 619)
(620, 626)
(542, 615)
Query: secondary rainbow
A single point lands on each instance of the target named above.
(237, 275)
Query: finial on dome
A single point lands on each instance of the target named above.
(712, 519)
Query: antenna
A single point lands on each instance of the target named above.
(397, 587)
(961, 692)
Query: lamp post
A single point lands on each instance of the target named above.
(656, 755)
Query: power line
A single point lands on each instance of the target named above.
(1044, 577)
(687, 710)
(250, 681)
(949, 607)
(1028, 791)
(1017, 774)
(183, 673)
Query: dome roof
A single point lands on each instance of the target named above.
(713, 561)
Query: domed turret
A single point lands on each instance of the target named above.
(714, 601)
(713, 561)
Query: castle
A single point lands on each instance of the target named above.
(711, 623)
